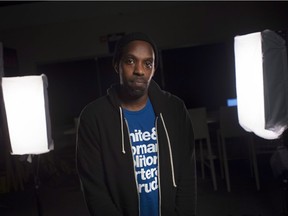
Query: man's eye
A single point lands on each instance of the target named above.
(148, 64)
(129, 61)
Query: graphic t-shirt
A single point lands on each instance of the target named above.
(144, 148)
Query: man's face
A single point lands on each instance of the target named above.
(136, 67)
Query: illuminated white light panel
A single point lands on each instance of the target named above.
(25, 110)
(249, 85)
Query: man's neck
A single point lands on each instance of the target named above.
(134, 104)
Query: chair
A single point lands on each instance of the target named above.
(231, 131)
(198, 118)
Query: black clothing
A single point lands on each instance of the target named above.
(105, 161)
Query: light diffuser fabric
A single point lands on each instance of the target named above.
(26, 107)
(261, 83)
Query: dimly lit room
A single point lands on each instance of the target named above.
(69, 46)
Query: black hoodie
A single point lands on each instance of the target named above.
(105, 161)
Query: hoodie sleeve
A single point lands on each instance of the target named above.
(187, 186)
(90, 171)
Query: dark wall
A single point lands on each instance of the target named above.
(201, 75)
(106, 74)
(10, 62)
(71, 85)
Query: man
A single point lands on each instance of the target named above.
(135, 146)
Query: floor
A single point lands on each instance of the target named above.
(244, 199)
(59, 194)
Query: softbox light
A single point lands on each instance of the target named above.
(26, 107)
(262, 83)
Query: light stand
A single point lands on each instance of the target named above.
(284, 182)
(27, 120)
(37, 183)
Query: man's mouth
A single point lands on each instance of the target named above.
(139, 81)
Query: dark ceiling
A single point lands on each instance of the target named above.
(11, 3)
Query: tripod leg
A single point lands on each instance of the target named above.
(37, 184)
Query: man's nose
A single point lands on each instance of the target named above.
(139, 70)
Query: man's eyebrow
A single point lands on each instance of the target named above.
(133, 56)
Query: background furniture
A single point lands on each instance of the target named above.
(231, 132)
(201, 135)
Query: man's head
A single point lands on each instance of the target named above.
(129, 38)
(135, 60)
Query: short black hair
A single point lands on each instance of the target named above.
(129, 38)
